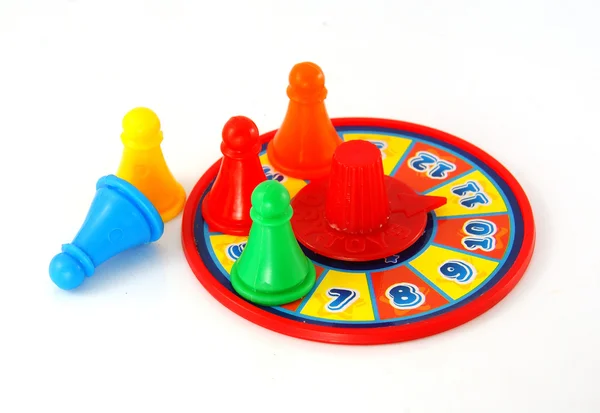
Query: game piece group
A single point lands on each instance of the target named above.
(350, 210)
(129, 209)
(351, 230)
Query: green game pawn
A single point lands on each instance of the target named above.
(272, 269)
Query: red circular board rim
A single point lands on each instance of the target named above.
(376, 335)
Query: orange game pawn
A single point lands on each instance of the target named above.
(226, 208)
(143, 164)
(304, 145)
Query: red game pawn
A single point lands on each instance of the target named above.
(304, 144)
(359, 214)
(226, 208)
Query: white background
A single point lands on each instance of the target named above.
(520, 79)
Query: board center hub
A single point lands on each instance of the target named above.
(358, 213)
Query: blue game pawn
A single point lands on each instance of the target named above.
(120, 218)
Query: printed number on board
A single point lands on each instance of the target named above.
(405, 296)
(426, 162)
(342, 298)
(458, 271)
(480, 235)
(471, 195)
(234, 251)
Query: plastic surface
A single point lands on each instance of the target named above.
(306, 141)
(210, 256)
(120, 217)
(227, 206)
(144, 166)
(359, 214)
(357, 198)
(272, 269)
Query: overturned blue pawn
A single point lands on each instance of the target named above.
(120, 218)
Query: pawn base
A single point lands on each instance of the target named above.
(277, 298)
(305, 173)
(226, 226)
(177, 206)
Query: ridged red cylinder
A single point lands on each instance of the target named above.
(357, 199)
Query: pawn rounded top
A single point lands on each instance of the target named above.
(271, 200)
(356, 153)
(240, 134)
(307, 82)
(141, 129)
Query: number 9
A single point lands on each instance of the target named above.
(460, 271)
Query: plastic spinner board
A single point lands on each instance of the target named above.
(473, 251)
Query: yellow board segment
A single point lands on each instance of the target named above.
(356, 307)
(220, 245)
(392, 147)
(429, 264)
(477, 196)
(293, 185)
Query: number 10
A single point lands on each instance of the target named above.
(479, 235)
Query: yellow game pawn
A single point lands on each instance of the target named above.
(143, 164)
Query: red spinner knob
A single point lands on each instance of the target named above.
(359, 213)
(357, 200)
